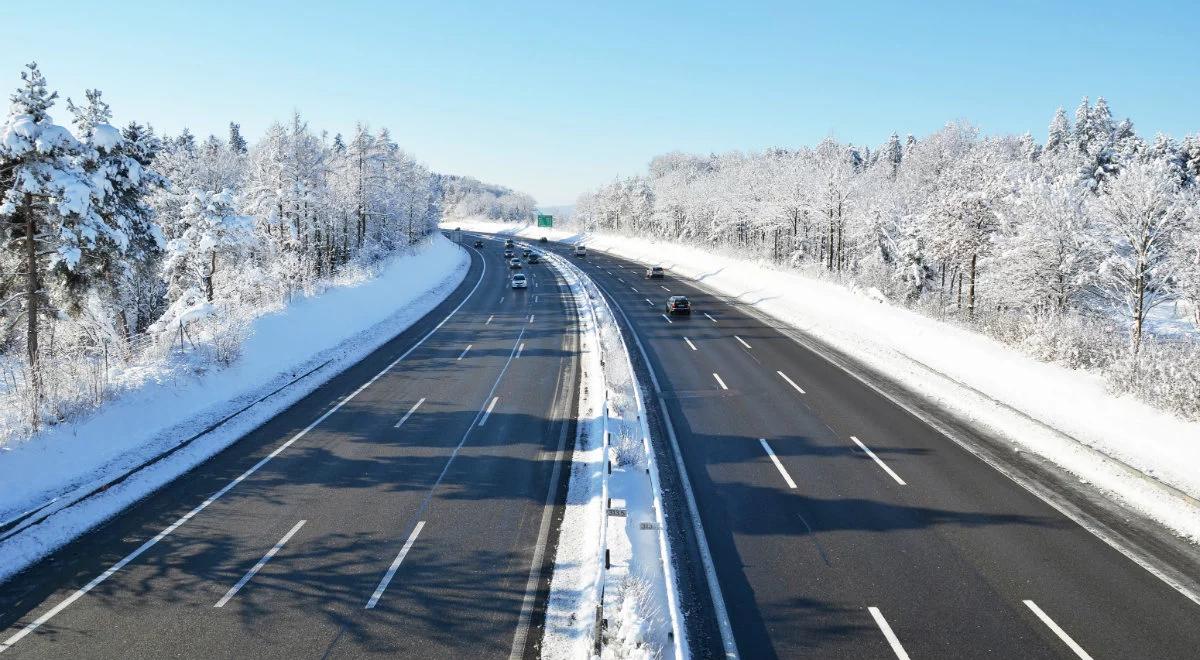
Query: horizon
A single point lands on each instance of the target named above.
(592, 94)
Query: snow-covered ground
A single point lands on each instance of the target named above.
(1061, 414)
(613, 510)
(328, 332)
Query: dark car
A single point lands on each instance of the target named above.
(508, 254)
(508, 242)
(543, 240)
(679, 305)
(526, 252)
(534, 258)
(655, 271)
(478, 244)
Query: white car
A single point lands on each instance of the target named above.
(580, 251)
(518, 281)
(514, 263)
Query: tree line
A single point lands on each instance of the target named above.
(1089, 233)
(112, 236)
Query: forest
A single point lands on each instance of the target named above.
(1083, 249)
(126, 252)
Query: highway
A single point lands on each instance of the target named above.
(842, 526)
(401, 510)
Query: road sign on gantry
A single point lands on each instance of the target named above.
(545, 220)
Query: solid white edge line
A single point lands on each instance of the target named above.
(742, 341)
(391, 571)
(775, 459)
(488, 412)
(96, 581)
(689, 343)
(257, 567)
(460, 355)
(720, 382)
(893, 641)
(877, 461)
(409, 413)
(667, 318)
(790, 381)
(1062, 634)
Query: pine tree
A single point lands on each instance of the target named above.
(1059, 134)
(237, 143)
(1083, 125)
(46, 203)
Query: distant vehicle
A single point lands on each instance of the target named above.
(543, 240)
(679, 305)
(478, 243)
(514, 263)
(534, 258)
(508, 254)
(508, 242)
(518, 281)
(580, 251)
(655, 271)
(526, 252)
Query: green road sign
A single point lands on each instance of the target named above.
(545, 220)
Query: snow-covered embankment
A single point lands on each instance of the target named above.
(613, 549)
(289, 354)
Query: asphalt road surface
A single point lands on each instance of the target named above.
(841, 526)
(398, 510)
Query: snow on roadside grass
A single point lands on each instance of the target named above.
(1060, 414)
(340, 326)
(613, 511)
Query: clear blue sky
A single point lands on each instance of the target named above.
(554, 98)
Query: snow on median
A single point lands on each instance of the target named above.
(613, 550)
(324, 334)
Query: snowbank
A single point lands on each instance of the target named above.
(322, 334)
(1063, 415)
(613, 549)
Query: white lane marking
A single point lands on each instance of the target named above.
(140, 550)
(790, 381)
(1062, 634)
(460, 355)
(720, 382)
(710, 318)
(775, 459)
(648, 300)
(664, 288)
(409, 413)
(667, 318)
(635, 289)
(391, 571)
(489, 319)
(488, 412)
(742, 341)
(879, 462)
(501, 298)
(689, 343)
(521, 348)
(893, 641)
(257, 567)
(535, 299)
(531, 318)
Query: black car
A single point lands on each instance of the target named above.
(533, 258)
(526, 252)
(508, 254)
(656, 272)
(508, 242)
(478, 244)
(679, 305)
(543, 240)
